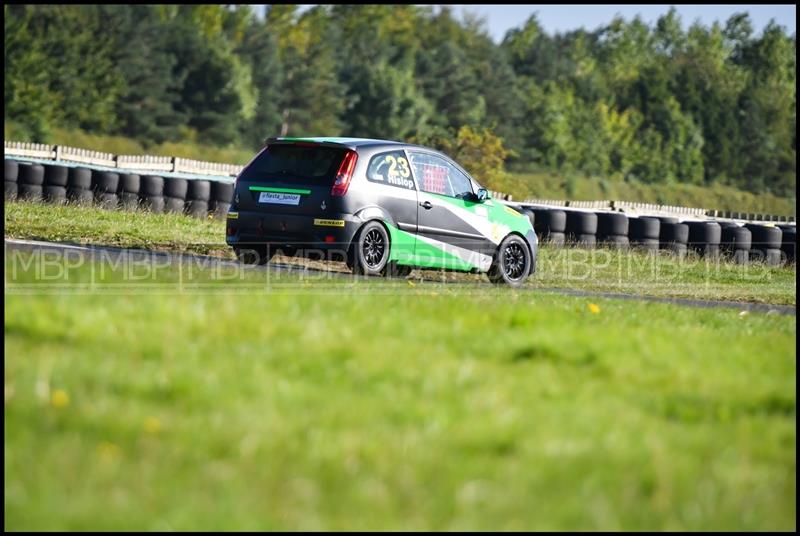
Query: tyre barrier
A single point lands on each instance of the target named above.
(58, 184)
(129, 185)
(581, 228)
(588, 241)
(644, 232)
(151, 193)
(79, 186)
(175, 195)
(55, 184)
(612, 229)
(173, 205)
(768, 256)
(56, 175)
(704, 237)
(221, 199)
(11, 190)
(736, 242)
(676, 248)
(30, 181)
(766, 244)
(55, 195)
(152, 203)
(11, 170)
(550, 225)
(197, 198)
(673, 233)
(615, 241)
(105, 185)
(789, 242)
(557, 239)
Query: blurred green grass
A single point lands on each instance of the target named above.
(601, 270)
(392, 405)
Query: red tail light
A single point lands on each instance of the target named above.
(344, 174)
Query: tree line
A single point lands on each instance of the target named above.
(626, 101)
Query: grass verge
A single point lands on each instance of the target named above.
(386, 405)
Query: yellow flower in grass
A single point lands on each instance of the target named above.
(59, 399)
(108, 451)
(152, 425)
(593, 308)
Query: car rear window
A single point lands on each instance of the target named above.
(295, 163)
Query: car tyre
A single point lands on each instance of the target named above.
(512, 262)
(371, 254)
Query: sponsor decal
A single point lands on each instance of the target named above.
(329, 223)
(512, 211)
(391, 168)
(299, 191)
(279, 199)
(497, 232)
(233, 215)
(481, 211)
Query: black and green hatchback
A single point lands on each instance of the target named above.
(384, 207)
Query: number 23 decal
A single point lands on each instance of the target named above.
(400, 162)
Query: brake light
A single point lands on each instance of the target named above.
(344, 174)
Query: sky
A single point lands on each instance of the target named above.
(561, 18)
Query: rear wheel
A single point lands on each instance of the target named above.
(256, 254)
(371, 251)
(512, 263)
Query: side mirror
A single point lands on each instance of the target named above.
(483, 194)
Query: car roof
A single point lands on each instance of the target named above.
(355, 143)
(349, 142)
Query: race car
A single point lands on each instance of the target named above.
(384, 207)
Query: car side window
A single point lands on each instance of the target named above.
(390, 168)
(438, 176)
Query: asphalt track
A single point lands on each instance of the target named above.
(139, 255)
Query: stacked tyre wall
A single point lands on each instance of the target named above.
(751, 242)
(116, 190)
(121, 189)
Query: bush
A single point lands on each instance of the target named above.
(480, 152)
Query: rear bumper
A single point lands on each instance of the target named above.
(332, 232)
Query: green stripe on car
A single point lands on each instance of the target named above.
(279, 190)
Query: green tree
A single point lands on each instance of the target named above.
(145, 108)
(259, 48)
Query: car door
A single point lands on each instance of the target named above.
(392, 188)
(451, 224)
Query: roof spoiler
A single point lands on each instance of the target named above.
(288, 141)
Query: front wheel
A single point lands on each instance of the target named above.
(371, 250)
(512, 263)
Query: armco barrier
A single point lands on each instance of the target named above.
(650, 209)
(146, 163)
(171, 164)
